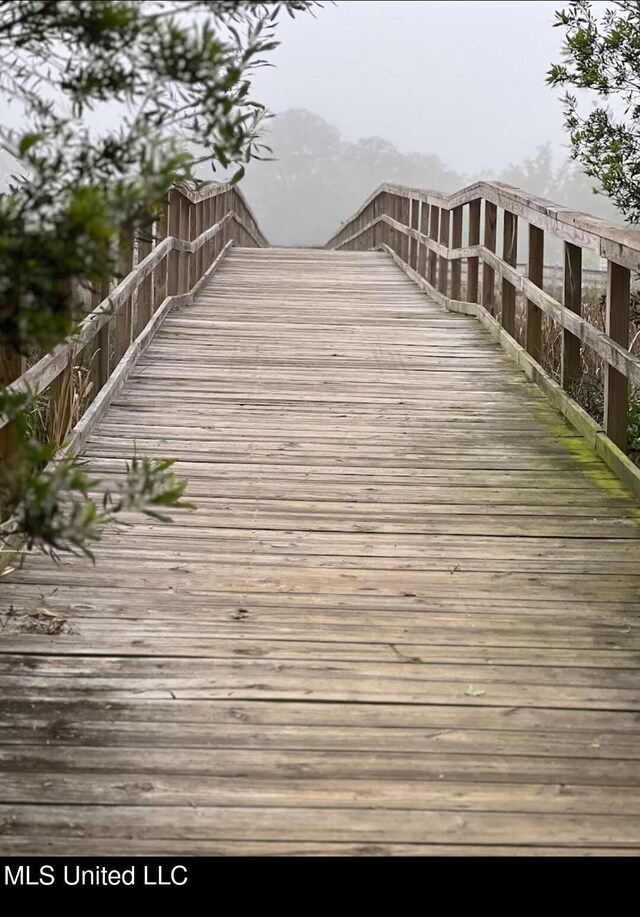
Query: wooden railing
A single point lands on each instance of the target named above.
(430, 235)
(165, 267)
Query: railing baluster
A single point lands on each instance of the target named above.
(423, 255)
(124, 317)
(173, 260)
(571, 356)
(184, 258)
(456, 242)
(11, 368)
(616, 395)
(510, 256)
(443, 263)
(473, 264)
(403, 217)
(488, 273)
(533, 330)
(100, 354)
(415, 224)
(160, 274)
(144, 302)
(198, 212)
(434, 231)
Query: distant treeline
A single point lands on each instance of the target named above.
(317, 178)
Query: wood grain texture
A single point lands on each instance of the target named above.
(403, 619)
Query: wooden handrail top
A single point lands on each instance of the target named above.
(609, 240)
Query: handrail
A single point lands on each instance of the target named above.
(203, 224)
(607, 239)
(423, 231)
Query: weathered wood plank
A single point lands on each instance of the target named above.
(408, 598)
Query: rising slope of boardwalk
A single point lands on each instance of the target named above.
(404, 618)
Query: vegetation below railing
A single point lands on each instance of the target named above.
(586, 344)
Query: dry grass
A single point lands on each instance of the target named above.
(56, 413)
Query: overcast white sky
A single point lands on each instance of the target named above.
(464, 80)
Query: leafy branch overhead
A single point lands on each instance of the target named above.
(602, 57)
(113, 98)
(164, 75)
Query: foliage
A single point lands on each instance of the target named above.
(602, 57)
(317, 179)
(47, 496)
(111, 95)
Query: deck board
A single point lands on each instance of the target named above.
(389, 512)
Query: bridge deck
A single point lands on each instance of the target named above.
(404, 618)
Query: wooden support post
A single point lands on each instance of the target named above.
(392, 212)
(160, 278)
(434, 232)
(488, 273)
(474, 239)
(144, 304)
(378, 205)
(173, 260)
(124, 317)
(510, 256)
(424, 229)
(218, 213)
(198, 229)
(571, 356)
(533, 331)
(616, 392)
(209, 221)
(184, 258)
(11, 368)
(456, 242)
(415, 224)
(404, 218)
(100, 352)
(443, 263)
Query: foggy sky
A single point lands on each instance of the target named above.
(464, 80)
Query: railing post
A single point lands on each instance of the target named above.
(456, 242)
(124, 317)
(510, 256)
(11, 368)
(386, 211)
(473, 264)
(434, 231)
(378, 211)
(424, 229)
(403, 217)
(616, 392)
(100, 355)
(210, 219)
(443, 262)
(184, 258)
(391, 212)
(173, 262)
(415, 224)
(488, 273)
(533, 331)
(571, 356)
(144, 302)
(198, 230)
(160, 278)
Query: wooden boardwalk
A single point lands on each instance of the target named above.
(405, 617)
